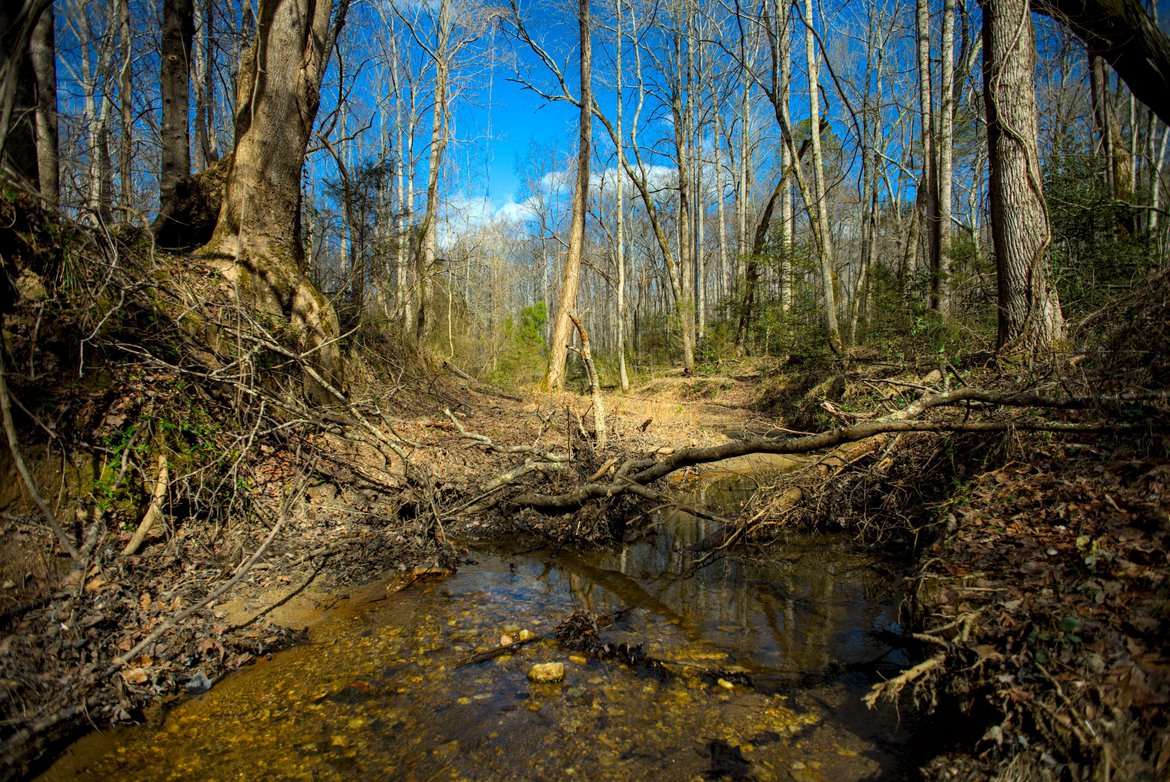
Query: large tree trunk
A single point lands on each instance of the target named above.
(257, 240)
(178, 30)
(554, 379)
(18, 100)
(1030, 319)
(43, 50)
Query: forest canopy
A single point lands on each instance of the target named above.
(759, 178)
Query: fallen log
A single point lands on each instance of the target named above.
(637, 473)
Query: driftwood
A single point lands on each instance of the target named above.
(499, 651)
(154, 511)
(490, 654)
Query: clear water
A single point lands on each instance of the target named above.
(377, 692)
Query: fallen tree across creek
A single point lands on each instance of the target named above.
(1114, 415)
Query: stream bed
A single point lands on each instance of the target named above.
(377, 692)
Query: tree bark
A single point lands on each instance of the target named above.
(257, 240)
(1028, 307)
(204, 80)
(1104, 119)
(820, 187)
(126, 109)
(178, 31)
(619, 178)
(18, 99)
(946, 157)
(554, 379)
(928, 183)
(43, 49)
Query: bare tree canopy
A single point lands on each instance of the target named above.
(1127, 37)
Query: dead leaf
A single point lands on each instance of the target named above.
(135, 676)
(987, 652)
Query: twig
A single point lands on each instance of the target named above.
(324, 552)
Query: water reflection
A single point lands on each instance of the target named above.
(377, 693)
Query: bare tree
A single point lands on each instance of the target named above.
(203, 77)
(43, 50)
(928, 193)
(619, 181)
(178, 31)
(946, 156)
(819, 206)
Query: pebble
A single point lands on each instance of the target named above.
(547, 672)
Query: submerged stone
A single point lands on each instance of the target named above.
(547, 672)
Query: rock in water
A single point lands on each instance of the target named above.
(198, 683)
(547, 672)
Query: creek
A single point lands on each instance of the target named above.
(768, 651)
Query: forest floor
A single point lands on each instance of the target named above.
(1040, 604)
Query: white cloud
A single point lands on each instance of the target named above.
(464, 214)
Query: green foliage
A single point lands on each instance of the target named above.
(717, 346)
(175, 422)
(1097, 245)
(522, 358)
(115, 487)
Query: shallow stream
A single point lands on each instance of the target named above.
(377, 693)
